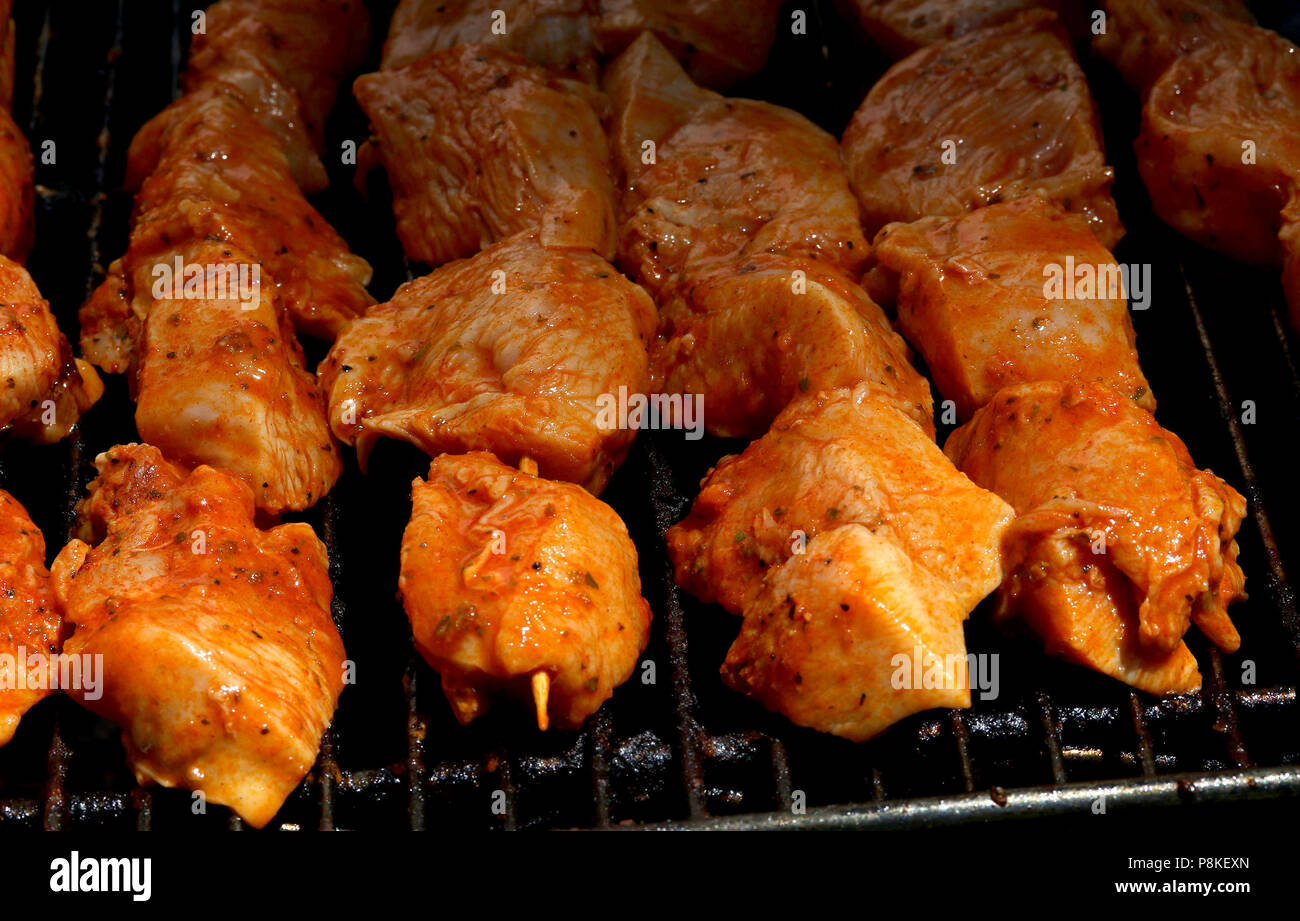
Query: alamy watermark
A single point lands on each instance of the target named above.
(220, 281)
(37, 671)
(625, 410)
(1087, 281)
(919, 670)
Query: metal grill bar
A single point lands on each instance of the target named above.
(415, 731)
(1279, 585)
(1226, 712)
(1146, 748)
(327, 768)
(781, 774)
(1052, 734)
(600, 730)
(1070, 799)
(961, 733)
(667, 511)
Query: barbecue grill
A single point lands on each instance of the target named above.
(673, 746)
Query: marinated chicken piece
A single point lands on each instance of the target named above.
(831, 629)
(17, 198)
(218, 173)
(718, 42)
(722, 180)
(225, 663)
(900, 27)
(845, 539)
(30, 621)
(1144, 37)
(518, 351)
(45, 389)
(753, 339)
(555, 34)
(519, 584)
(1013, 292)
(1220, 150)
(222, 381)
(480, 145)
(286, 60)
(1120, 542)
(981, 119)
(833, 459)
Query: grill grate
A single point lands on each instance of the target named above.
(682, 750)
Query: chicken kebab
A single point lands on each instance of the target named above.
(227, 260)
(1120, 542)
(1219, 149)
(498, 364)
(225, 665)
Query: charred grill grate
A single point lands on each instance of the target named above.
(683, 749)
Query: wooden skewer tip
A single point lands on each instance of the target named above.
(541, 694)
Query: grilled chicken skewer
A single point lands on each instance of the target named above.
(479, 145)
(845, 539)
(217, 374)
(31, 624)
(738, 217)
(719, 43)
(983, 118)
(518, 351)
(227, 257)
(1070, 442)
(512, 582)
(743, 227)
(1120, 542)
(520, 584)
(224, 664)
